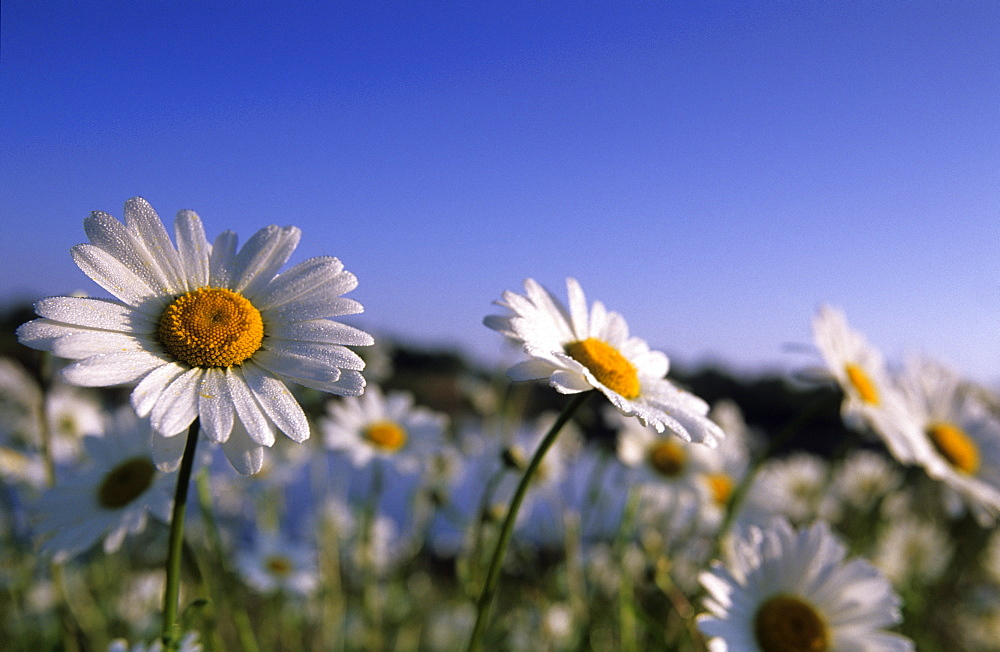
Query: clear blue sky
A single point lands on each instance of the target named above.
(713, 171)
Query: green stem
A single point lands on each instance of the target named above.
(493, 574)
(171, 628)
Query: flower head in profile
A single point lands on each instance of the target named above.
(209, 331)
(957, 436)
(786, 590)
(871, 399)
(578, 349)
(380, 426)
(110, 497)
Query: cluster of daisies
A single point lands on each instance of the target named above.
(223, 349)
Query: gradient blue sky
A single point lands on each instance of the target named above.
(713, 171)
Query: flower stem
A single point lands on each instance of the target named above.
(493, 574)
(171, 628)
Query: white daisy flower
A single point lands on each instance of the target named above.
(910, 548)
(275, 563)
(578, 349)
(793, 590)
(796, 487)
(208, 331)
(109, 498)
(871, 400)
(864, 477)
(957, 436)
(660, 459)
(382, 426)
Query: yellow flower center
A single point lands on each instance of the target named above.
(788, 624)
(387, 435)
(668, 458)
(125, 482)
(955, 446)
(609, 366)
(278, 565)
(862, 383)
(211, 327)
(721, 486)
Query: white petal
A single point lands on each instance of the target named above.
(261, 257)
(168, 451)
(323, 274)
(283, 363)
(215, 407)
(42, 334)
(111, 368)
(279, 404)
(578, 308)
(327, 354)
(315, 306)
(109, 272)
(320, 330)
(124, 245)
(569, 382)
(148, 232)
(220, 263)
(350, 383)
(177, 406)
(249, 412)
(148, 391)
(86, 342)
(532, 369)
(106, 314)
(246, 455)
(193, 249)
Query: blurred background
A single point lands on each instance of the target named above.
(713, 171)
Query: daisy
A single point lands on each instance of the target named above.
(578, 349)
(871, 400)
(793, 590)
(108, 499)
(912, 549)
(379, 426)
(658, 459)
(274, 563)
(957, 436)
(795, 487)
(208, 331)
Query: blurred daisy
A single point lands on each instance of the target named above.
(388, 427)
(578, 349)
(209, 332)
(659, 459)
(274, 563)
(911, 549)
(188, 643)
(871, 400)
(793, 590)
(864, 477)
(957, 436)
(795, 487)
(112, 496)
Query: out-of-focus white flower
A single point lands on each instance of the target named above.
(795, 487)
(274, 563)
(386, 427)
(871, 399)
(911, 549)
(957, 436)
(188, 643)
(864, 477)
(579, 348)
(793, 590)
(110, 497)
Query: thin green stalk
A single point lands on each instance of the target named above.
(485, 603)
(171, 628)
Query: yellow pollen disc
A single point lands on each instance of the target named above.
(211, 327)
(278, 565)
(387, 435)
(788, 624)
(721, 486)
(125, 483)
(668, 458)
(862, 383)
(955, 446)
(609, 366)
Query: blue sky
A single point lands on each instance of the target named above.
(713, 171)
